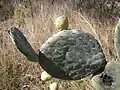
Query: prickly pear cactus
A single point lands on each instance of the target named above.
(117, 39)
(109, 79)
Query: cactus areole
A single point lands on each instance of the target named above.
(68, 54)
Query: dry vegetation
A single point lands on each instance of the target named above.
(35, 18)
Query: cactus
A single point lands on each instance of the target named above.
(117, 39)
(109, 79)
(69, 54)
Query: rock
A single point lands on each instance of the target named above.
(53, 86)
(45, 76)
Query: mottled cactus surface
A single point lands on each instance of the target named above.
(68, 54)
(77, 53)
(109, 79)
(117, 39)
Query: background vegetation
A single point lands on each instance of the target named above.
(35, 19)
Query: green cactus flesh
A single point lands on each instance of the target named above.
(109, 79)
(117, 38)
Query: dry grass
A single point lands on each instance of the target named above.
(35, 19)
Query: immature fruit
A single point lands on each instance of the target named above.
(61, 23)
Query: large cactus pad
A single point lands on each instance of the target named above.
(75, 52)
(109, 79)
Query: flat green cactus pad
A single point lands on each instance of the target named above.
(77, 53)
(109, 79)
(117, 39)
